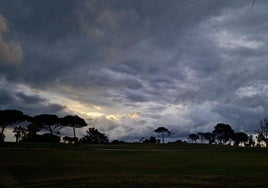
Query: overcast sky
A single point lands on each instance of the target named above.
(130, 66)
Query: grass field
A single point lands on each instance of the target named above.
(132, 165)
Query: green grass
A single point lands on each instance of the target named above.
(132, 165)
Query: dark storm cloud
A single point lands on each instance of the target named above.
(5, 98)
(188, 64)
(54, 44)
(29, 99)
(40, 20)
(12, 98)
(47, 34)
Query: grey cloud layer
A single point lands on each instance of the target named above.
(10, 52)
(183, 64)
(12, 97)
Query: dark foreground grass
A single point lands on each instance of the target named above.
(133, 165)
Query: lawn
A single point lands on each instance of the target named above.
(133, 165)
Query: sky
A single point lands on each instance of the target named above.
(130, 66)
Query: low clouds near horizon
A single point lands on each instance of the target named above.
(134, 65)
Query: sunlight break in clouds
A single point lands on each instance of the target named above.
(88, 111)
(134, 115)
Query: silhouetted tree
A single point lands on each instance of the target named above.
(93, 136)
(223, 132)
(209, 137)
(163, 131)
(201, 137)
(49, 122)
(20, 133)
(74, 122)
(151, 140)
(193, 137)
(8, 118)
(32, 129)
(47, 137)
(31, 133)
(239, 137)
(262, 131)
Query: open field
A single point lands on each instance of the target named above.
(132, 165)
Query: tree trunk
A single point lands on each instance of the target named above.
(50, 130)
(51, 134)
(2, 134)
(2, 131)
(75, 140)
(17, 139)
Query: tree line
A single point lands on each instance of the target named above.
(224, 134)
(48, 126)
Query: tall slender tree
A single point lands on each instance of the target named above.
(74, 122)
(163, 131)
